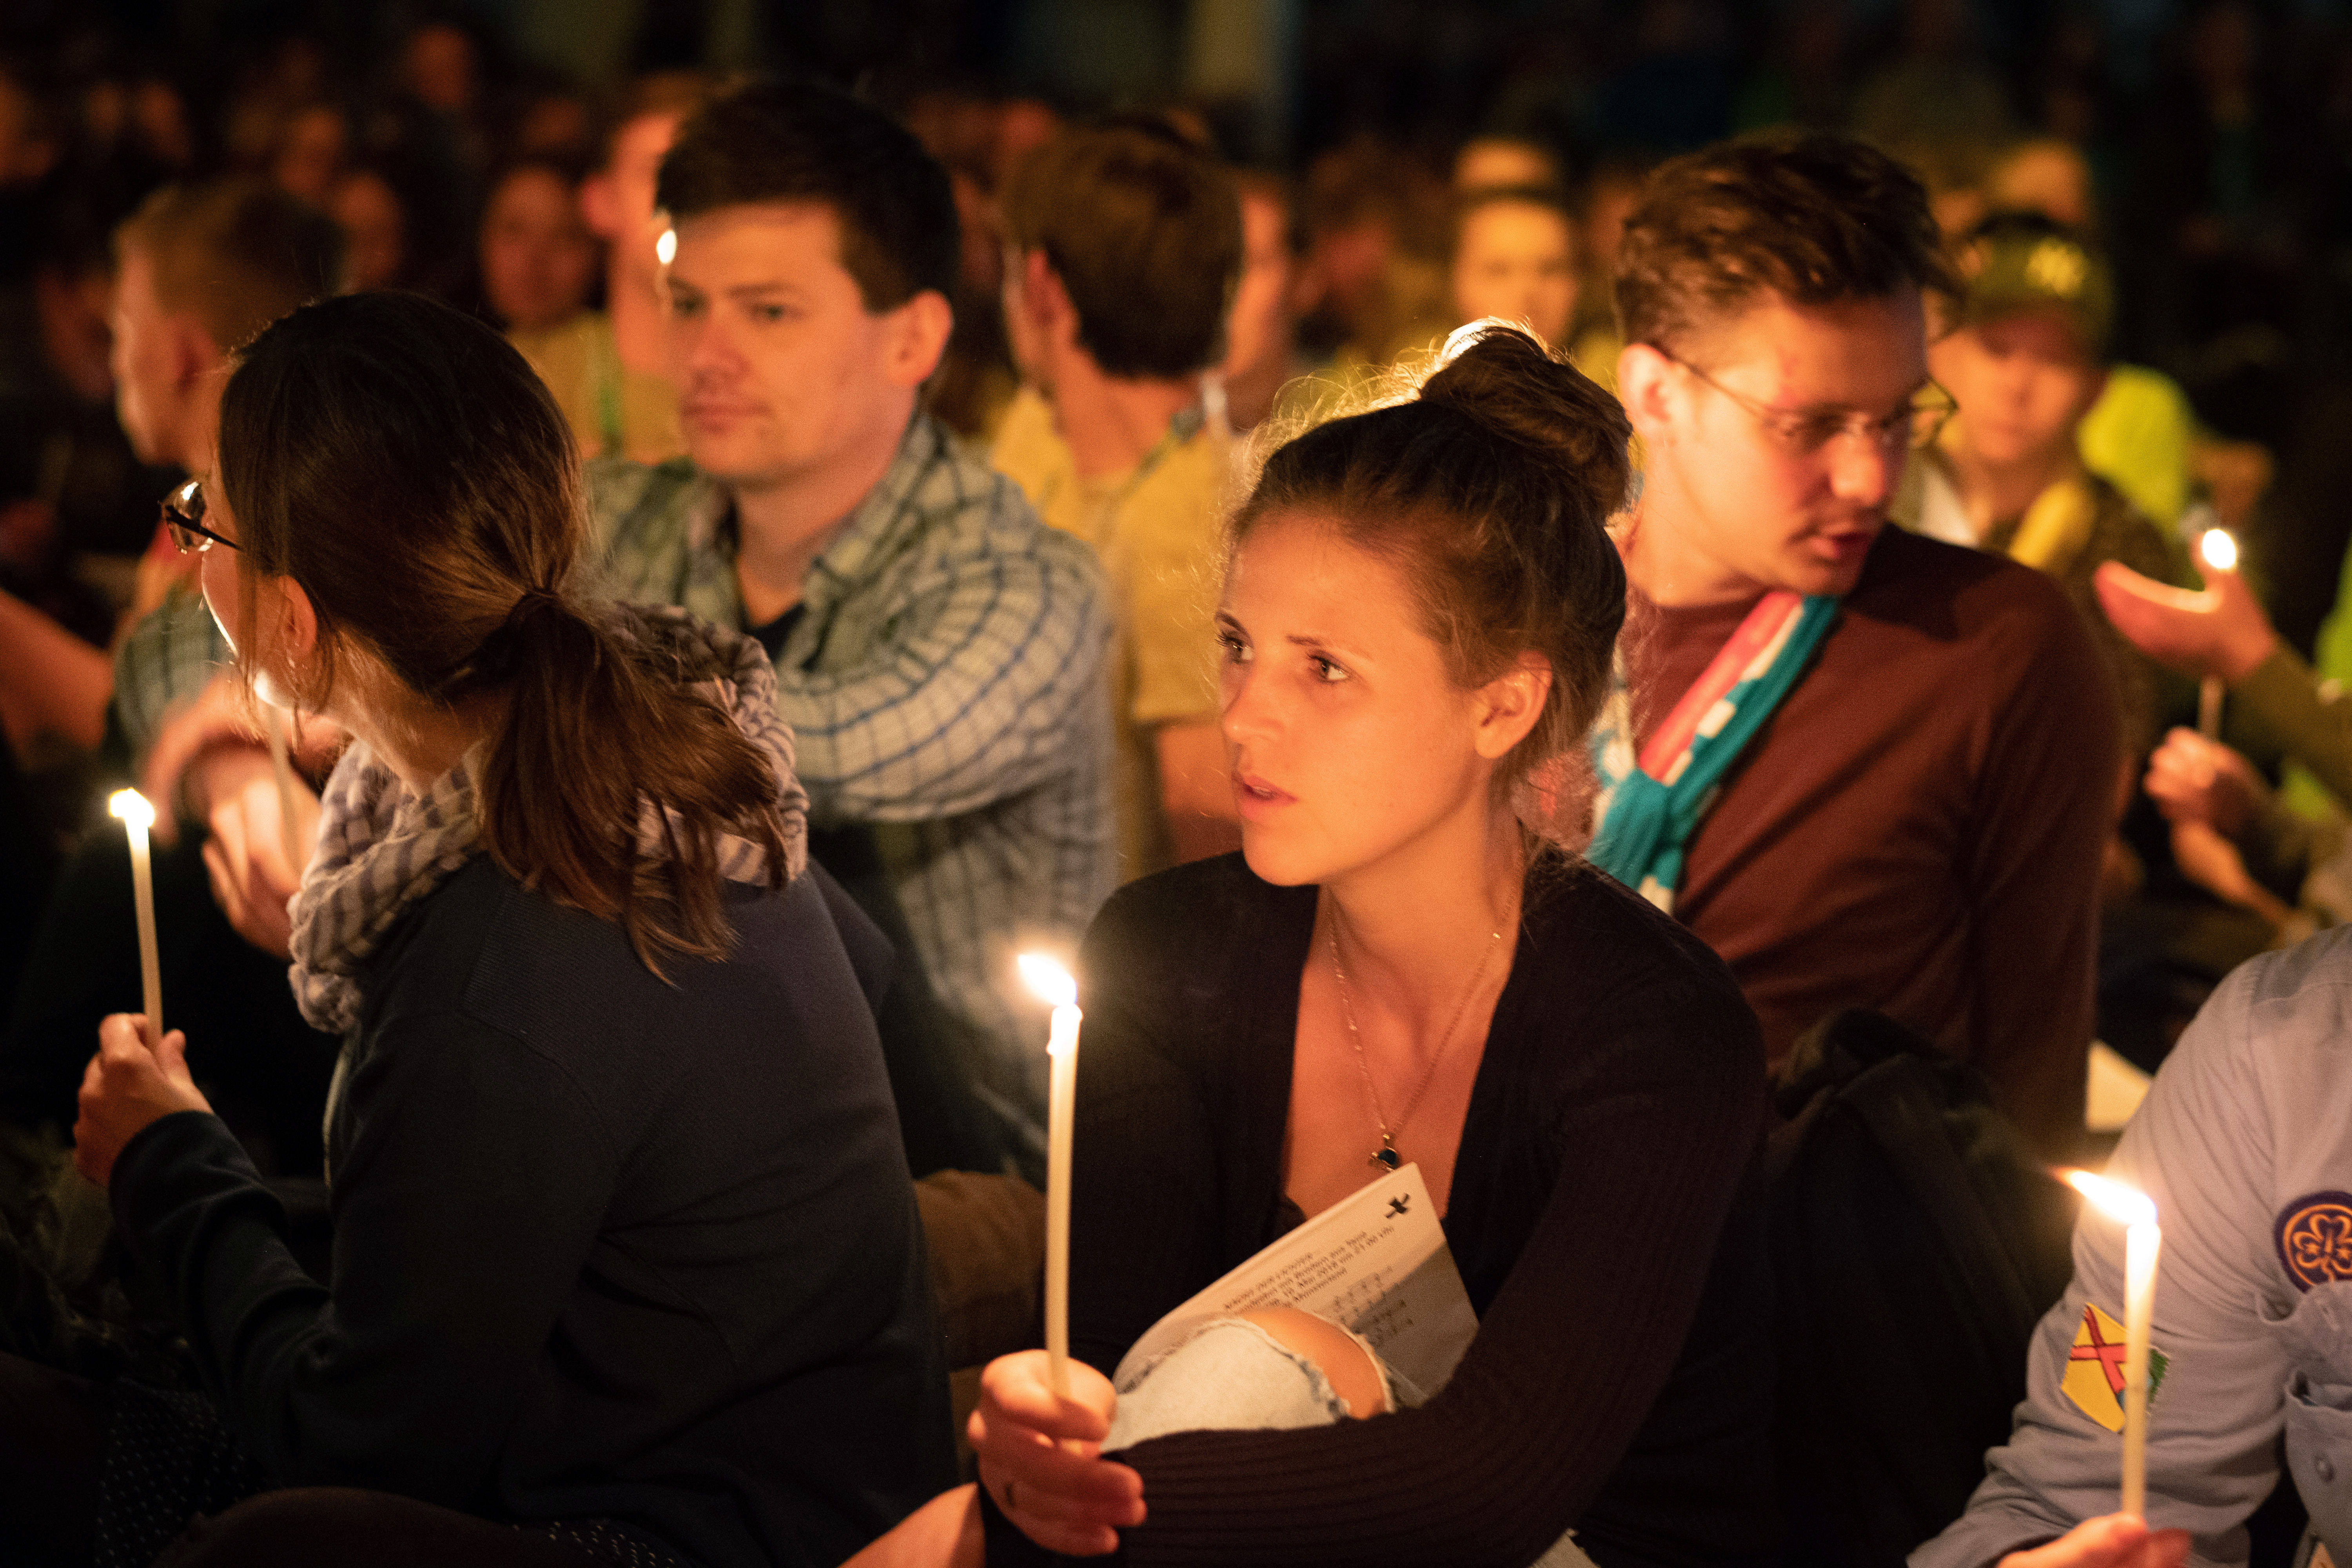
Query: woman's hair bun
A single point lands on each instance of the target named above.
(1500, 375)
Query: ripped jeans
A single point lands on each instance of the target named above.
(1231, 1375)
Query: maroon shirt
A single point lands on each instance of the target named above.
(1918, 826)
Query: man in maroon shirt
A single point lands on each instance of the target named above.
(1918, 825)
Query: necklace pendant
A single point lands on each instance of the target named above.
(1385, 1157)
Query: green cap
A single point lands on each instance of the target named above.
(2018, 262)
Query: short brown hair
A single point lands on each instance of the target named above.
(1814, 218)
(775, 140)
(236, 253)
(1491, 489)
(1145, 232)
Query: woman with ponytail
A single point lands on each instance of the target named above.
(626, 1264)
(1407, 962)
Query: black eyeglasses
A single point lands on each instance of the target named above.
(184, 520)
(1915, 424)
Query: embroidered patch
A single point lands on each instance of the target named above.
(2313, 1234)
(2095, 1369)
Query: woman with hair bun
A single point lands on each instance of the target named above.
(1407, 962)
(626, 1264)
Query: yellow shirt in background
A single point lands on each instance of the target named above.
(2137, 436)
(1156, 529)
(614, 411)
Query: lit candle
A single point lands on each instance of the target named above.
(1050, 981)
(2219, 550)
(2135, 1212)
(138, 816)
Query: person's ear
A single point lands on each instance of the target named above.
(1510, 704)
(918, 337)
(1646, 385)
(292, 644)
(1044, 300)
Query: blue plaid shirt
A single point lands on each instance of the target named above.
(168, 658)
(945, 685)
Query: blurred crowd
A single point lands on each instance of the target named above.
(2129, 248)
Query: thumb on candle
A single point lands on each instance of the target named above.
(171, 1052)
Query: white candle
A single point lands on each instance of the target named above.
(1052, 983)
(2209, 706)
(2219, 550)
(137, 817)
(2142, 1242)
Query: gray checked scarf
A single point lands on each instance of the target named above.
(382, 847)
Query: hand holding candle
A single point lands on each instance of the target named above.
(138, 816)
(2142, 1240)
(1051, 982)
(2219, 550)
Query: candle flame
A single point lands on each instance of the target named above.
(2124, 1205)
(1049, 980)
(666, 247)
(2218, 549)
(131, 806)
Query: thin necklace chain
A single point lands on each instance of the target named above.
(1386, 1154)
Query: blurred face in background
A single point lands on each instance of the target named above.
(1517, 260)
(146, 378)
(375, 232)
(2023, 382)
(27, 148)
(441, 67)
(309, 153)
(538, 257)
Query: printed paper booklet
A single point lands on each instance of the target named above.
(1376, 1261)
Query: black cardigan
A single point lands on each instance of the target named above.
(1605, 1215)
(604, 1246)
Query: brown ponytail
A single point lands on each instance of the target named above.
(1492, 489)
(405, 466)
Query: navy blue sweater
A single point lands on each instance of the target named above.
(604, 1246)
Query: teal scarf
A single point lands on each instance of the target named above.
(1649, 809)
